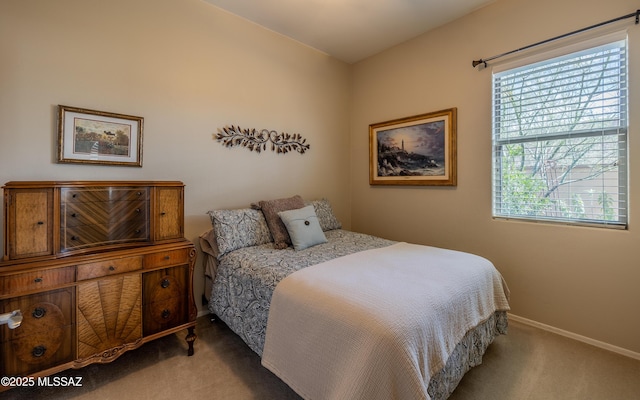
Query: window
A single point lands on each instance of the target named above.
(560, 138)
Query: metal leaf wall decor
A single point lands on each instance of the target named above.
(257, 141)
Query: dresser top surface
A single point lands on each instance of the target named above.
(43, 184)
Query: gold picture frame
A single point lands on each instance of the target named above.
(98, 137)
(417, 150)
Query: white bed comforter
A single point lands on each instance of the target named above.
(377, 324)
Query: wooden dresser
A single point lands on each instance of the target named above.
(96, 268)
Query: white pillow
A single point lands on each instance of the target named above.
(303, 227)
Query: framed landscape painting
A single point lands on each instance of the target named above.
(418, 150)
(98, 137)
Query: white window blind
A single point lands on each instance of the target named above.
(560, 138)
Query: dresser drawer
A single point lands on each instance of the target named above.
(110, 267)
(165, 299)
(78, 237)
(101, 194)
(45, 336)
(104, 213)
(37, 352)
(37, 280)
(41, 312)
(162, 315)
(166, 258)
(164, 284)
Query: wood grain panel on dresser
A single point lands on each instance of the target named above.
(167, 224)
(29, 222)
(109, 314)
(99, 216)
(96, 269)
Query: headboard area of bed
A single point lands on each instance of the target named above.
(233, 229)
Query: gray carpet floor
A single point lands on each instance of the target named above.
(526, 364)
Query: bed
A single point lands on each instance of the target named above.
(351, 315)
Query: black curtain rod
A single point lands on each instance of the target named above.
(636, 14)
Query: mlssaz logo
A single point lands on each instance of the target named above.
(55, 381)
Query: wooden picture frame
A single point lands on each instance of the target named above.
(417, 150)
(98, 137)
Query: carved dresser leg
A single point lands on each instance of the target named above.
(191, 337)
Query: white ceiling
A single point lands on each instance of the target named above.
(350, 30)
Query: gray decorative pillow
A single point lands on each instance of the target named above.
(235, 229)
(328, 220)
(270, 209)
(303, 227)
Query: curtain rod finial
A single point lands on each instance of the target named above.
(475, 63)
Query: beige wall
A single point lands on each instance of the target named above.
(582, 280)
(188, 69)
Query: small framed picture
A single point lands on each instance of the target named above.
(98, 137)
(417, 150)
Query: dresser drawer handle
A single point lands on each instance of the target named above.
(112, 268)
(165, 313)
(165, 283)
(40, 222)
(39, 312)
(74, 237)
(38, 351)
(138, 210)
(139, 193)
(163, 213)
(73, 215)
(38, 280)
(167, 257)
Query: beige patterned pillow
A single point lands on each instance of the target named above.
(235, 229)
(270, 209)
(328, 220)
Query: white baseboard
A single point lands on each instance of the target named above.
(575, 336)
(202, 312)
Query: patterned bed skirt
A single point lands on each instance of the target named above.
(466, 355)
